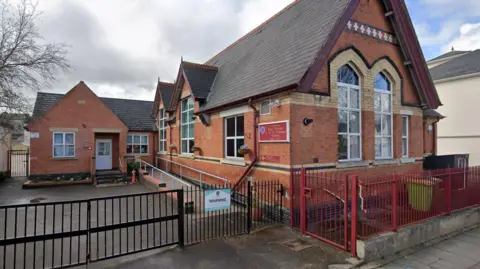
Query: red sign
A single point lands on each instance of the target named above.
(274, 132)
(270, 158)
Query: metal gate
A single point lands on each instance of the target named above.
(18, 163)
(66, 234)
(321, 207)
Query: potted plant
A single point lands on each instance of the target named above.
(243, 149)
(171, 146)
(257, 211)
(195, 148)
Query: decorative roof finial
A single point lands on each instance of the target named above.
(158, 79)
(182, 58)
(453, 48)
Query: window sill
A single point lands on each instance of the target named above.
(349, 164)
(162, 153)
(236, 162)
(187, 156)
(407, 160)
(63, 158)
(135, 155)
(385, 162)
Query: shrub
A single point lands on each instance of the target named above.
(131, 167)
(3, 175)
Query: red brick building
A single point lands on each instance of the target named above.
(334, 85)
(78, 133)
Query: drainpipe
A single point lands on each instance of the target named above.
(434, 125)
(255, 146)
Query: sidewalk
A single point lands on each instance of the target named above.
(459, 252)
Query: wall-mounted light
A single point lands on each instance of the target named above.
(307, 121)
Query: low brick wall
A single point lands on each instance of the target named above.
(392, 242)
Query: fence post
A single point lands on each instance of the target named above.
(395, 203)
(181, 223)
(88, 246)
(303, 210)
(448, 190)
(27, 168)
(282, 194)
(345, 211)
(249, 206)
(353, 238)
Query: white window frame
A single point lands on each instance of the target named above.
(269, 108)
(382, 113)
(235, 137)
(133, 144)
(191, 137)
(406, 135)
(63, 144)
(162, 127)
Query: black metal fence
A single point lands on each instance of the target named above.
(65, 234)
(18, 163)
(71, 233)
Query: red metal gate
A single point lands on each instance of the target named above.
(322, 206)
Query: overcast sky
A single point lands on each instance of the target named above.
(120, 47)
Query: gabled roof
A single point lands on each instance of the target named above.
(135, 114)
(200, 77)
(164, 92)
(448, 55)
(468, 64)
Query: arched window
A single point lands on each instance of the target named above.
(383, 117)
(349, 116)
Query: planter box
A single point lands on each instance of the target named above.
(29, 184)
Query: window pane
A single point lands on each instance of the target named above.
(377, 101)
(184, 131)
(404, 146)
(342, 121)
(342, 147)
(144, 139)
(240, 143)
(144, 149)
(265, 107)
(378, 147)
(386, 147)
(381, 82)
(184, 104)
(230, 127)
(354, 99)
(386, 125)
(162, 135)
(354, 147)
(354, 122)
(378, 124)
(230, 148)
(136, 139)
(101, 149)
(70, 151)
(184, 146)
(191, 131)
(69, 139)
(342, 97)
(164, 146)
(190, 103)
(347, 75)
(240, 126)
(136, 149)
(190, 145)
(190, 116)
(404, 126)
(386, 103)
(58, 138)
(129, 139)
(58, 151)
(184, 117)
(129, 149)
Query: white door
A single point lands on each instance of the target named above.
(103, 154)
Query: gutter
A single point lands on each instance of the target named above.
(255, 146)
(457, 77)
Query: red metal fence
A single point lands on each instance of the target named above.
(335, 206)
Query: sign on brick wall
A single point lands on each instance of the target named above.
(274, 131)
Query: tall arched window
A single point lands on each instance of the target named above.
(349, 120)
(383, 117)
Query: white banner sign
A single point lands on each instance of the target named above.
(217, 199)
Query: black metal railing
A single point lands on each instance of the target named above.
(65, 234)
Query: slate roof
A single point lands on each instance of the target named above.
(449, 54)
(166, 91)
(276, 54)
(200, 78)
(432, 113)
(135, 114)
(463, 65)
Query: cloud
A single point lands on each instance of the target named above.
(469, 38)
(120, 47)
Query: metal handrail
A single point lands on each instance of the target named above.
(145, 164)
(121, 164)
(225, 181)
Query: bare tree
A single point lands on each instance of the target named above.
(27, 62)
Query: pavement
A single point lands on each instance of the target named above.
(278, 247)
(459, 252)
